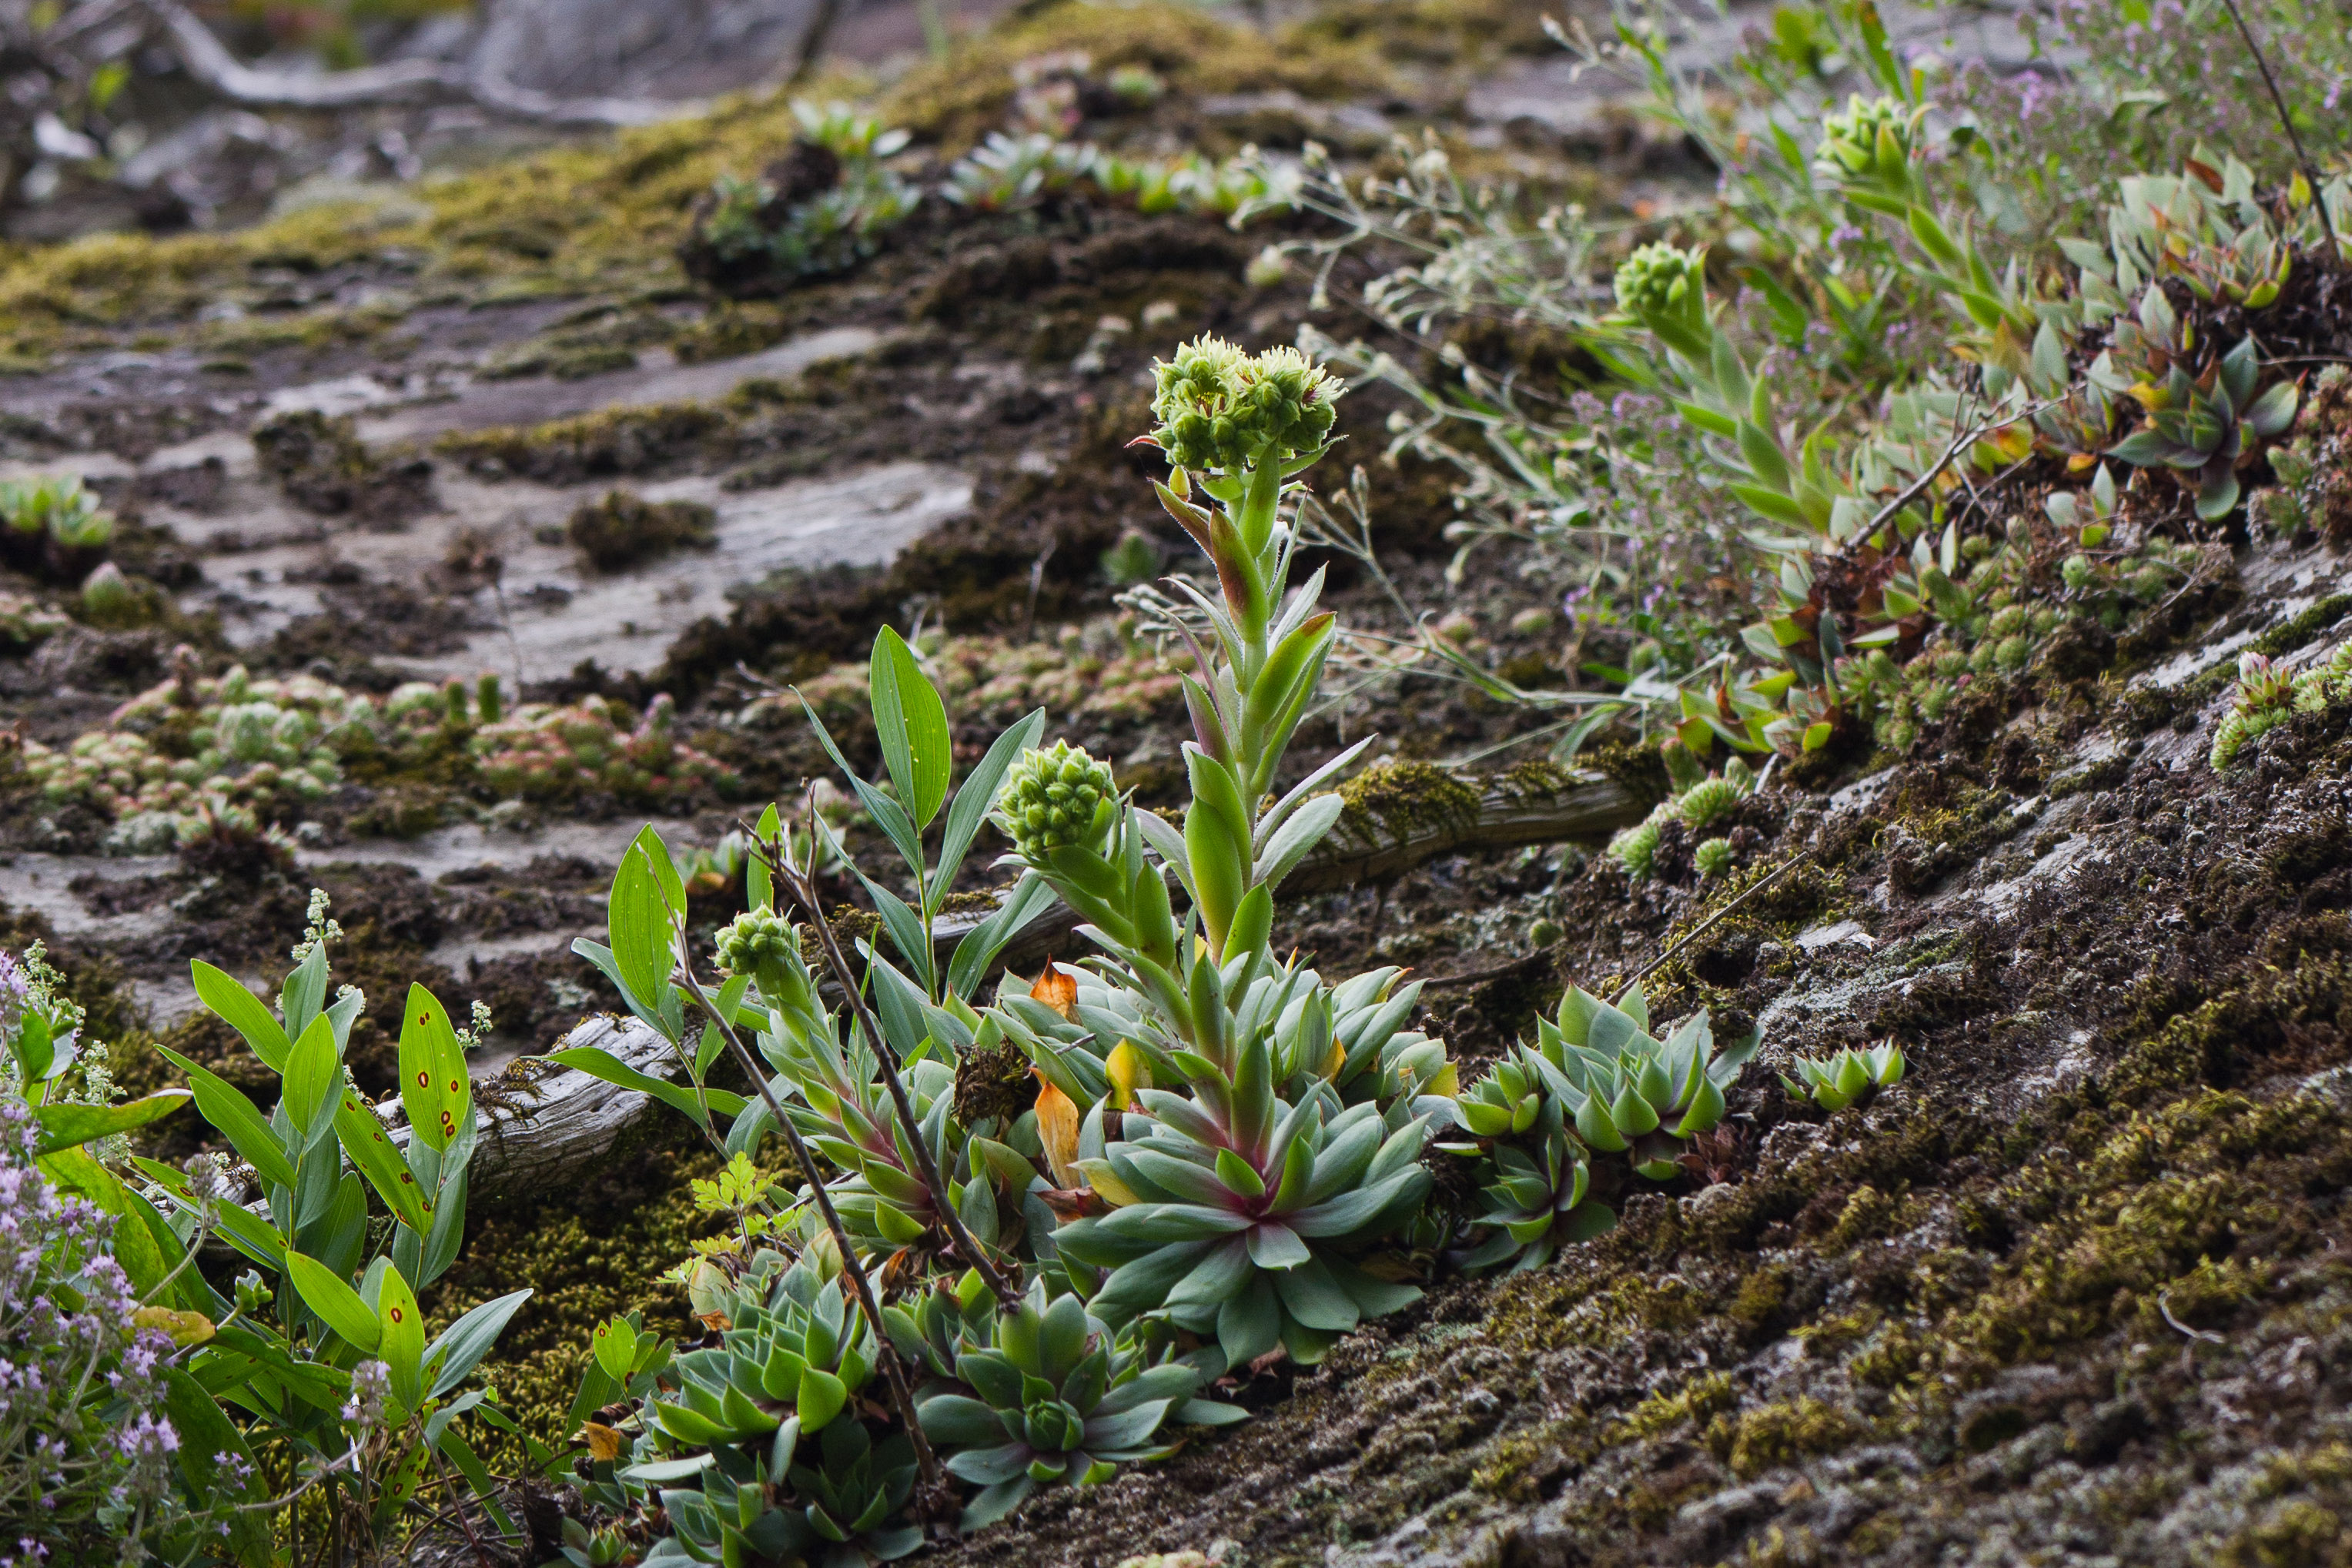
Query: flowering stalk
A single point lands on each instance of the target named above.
(887, 1056)
(902, 1396)
(1246, 424)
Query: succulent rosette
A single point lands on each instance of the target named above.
(1833, 1083)
(1044, 1394)
(1239, 1215)
(1628, 1092)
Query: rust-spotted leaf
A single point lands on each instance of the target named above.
(432, 1080)
(364, 1138)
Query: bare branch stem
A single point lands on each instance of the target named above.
(1008, 1296)
(902, 1394)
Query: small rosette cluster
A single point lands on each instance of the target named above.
(1835, 1083)
(1596, 1082)
(755, 1449)
(791, 1349)
(2268, 695)
(1698, 807)
(2201, 426)
(1040, 1396)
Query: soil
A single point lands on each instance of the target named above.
(2078, 1289)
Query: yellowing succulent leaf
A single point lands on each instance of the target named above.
(185, 1328)
(1105, 1181)
(1058, 1130)
(1058, 989)
(1446, 1081)
(1129, 1071)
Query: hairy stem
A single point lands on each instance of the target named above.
(1008, 1296)
(902, 1395)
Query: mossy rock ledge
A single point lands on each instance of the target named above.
(2077, 1291)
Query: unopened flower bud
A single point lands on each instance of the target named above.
(1056, 797)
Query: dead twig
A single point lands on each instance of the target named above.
(1687, 937)
(2286, 121)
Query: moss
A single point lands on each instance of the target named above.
(1395, 799)
(1636, 765)
(732, 331)
(1774, 1435)
(2151, 1221)
(614, 441)
(1699, 1400)
(956, 101)
(2296, 1534)
(322, 465)
(605, 1257)
(624, 528)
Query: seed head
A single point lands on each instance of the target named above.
(1053, 797)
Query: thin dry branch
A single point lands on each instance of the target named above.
(209, 61)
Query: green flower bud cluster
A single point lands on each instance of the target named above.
(1871, 141)
(1835, 1083)
(1661, 279)
(1221, 409)
(758, 942)
(2268, 695)
(1056, 797)
(1699, 805)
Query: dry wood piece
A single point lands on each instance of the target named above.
(1398, 818)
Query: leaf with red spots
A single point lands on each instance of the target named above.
(433, 1080)
(370, 1149)
(404, 1337)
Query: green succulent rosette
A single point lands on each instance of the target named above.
(1241, 1215)
(1536, 1180)
(1627, 1092)
(1833, 1083)
(793, 1349)
(1042, 1396)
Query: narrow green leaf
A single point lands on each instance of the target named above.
(759, 885)
(641, 927)
(226, 1108)
(975, 795)
(464, 1343)
(330, 1296)
(63, 1125)
(598, 1062)
(314, 1072)
(912, 723)
(244, 1012)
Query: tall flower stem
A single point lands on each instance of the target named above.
(791, 878)
(902, 1396)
